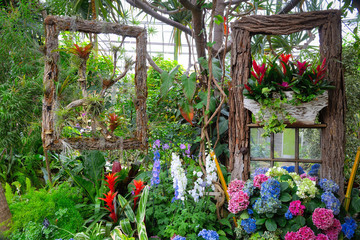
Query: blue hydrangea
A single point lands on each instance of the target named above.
(328, 185)
(292, 169)
(179, 238)
(249, 225)
(249, 188)
(314, 171)
(349, 227)
(155, 180)
(331, 202)
(268, 205)
(270, 189)
(288, 215)
(250, 211)
(209, 234)
(259, 171)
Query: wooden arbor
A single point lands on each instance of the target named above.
(50, 137)
(333, 136)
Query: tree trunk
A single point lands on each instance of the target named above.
(5, 214)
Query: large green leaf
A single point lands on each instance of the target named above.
(216, 68)
(127, 209)
(140, 214)
(142, 231)
(167, 80)
(270, 225)
(94, 163)
(126, 226)
(285, 197)
(189, 85)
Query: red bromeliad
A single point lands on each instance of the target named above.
(302, 67)
(259, 73)
(82, 52)
(248, 88)
(109, 200)
(114, 121)
(139, 185)
(284, 59)
(110, 181)
(320, 72)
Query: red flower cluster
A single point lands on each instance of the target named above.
(114, 121)
(139, 185)
(109, 197)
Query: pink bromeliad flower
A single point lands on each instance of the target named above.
(259, 73)
(302, 67)
(320, 72)
(284, 84)
(284, 60)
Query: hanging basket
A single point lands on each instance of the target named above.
(304, 113)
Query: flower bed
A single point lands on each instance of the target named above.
(277, 204)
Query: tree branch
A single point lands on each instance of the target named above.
(153, 64)
(163, 10)
(151, 12)
(188, 5)
(235, 2)
(289, 6)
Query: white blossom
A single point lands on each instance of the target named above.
(211, 174)
(179, 177)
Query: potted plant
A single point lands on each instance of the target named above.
(287, 92)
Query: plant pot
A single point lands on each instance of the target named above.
(304, 113)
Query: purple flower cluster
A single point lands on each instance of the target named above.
(155, 180)
(328, 186)
(249, 225)
(349, 227)
(331, 202)
(208, 234)
(270, 189)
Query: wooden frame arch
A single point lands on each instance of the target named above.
(333, 136)
(51, 140)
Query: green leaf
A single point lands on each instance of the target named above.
(125, 226)
(167, 80)
(300, 220)
(295, 227)
(216, 68)
(284, 186)
(142, 231)
(94, 163)
(127, 209)
(225, 222)
(210, 44)
(270, 225)
(285, 197)
(244, 215)
(260, 221)
(189, 85)
(221, 233)
(218, 19)
(281, 221)
(140, 214)
(285, 177)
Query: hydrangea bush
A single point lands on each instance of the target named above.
(277, 204)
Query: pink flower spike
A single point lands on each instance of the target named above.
(302, 67)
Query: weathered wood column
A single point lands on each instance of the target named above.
(333, 136)
(5, 214)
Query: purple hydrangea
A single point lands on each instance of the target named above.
(249, 225)
(209, 234)
(331, 202)
(328, 185)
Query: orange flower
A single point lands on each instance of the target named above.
(111, 180)
(139, 185)
(109, 200)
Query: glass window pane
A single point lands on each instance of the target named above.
(309, 143)
(311, 169)
(254, 165)
(259, 146)
(284, 144)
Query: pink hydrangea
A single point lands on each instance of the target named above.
(304, 175)
(291, 236)
(321, 237)
(259, 179)
(323, 218)
(333, 231)
(235, 186)
(296, 208)
(238, 202)
(305, 233)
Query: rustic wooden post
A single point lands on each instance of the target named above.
(50, 137)
(333, 136)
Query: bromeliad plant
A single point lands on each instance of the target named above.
(277, 204)
(269, 82)
(306, 81)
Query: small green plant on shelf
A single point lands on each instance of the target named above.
(274, 86)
